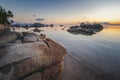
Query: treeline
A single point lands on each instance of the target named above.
(5, 15)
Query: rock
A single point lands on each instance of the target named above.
(51, 25)
(61, 25)
(9, 37)
(38, 25)
(43, 36)
(4, 31)
(62, 29)
(3, 77)
(36, 76)
(97, 27)
(37, 30)
(1, 26)
(86, 29)
(18, 41)
(32, 61)
(31, 37)
(85, 25)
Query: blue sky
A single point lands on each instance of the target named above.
(64, 11)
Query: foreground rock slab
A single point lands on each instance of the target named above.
(32, 61)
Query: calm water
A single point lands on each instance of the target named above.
(100, 51)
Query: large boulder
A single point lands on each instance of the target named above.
(40, 60)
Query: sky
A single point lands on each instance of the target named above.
(64, 11)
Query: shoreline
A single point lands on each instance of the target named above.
(74, 70)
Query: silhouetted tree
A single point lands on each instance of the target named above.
(5, 15)
(9, 14)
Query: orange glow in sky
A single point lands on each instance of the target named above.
(64, 11)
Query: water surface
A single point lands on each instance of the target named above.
(100, 51)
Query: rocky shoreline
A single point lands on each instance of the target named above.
(31, 57)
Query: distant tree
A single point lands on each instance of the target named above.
(5, 15)
(9, 14)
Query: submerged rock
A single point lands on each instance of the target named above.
(32, 61)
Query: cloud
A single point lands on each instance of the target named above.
(34, 15)
(39, 19)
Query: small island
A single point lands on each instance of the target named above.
(86, 29)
